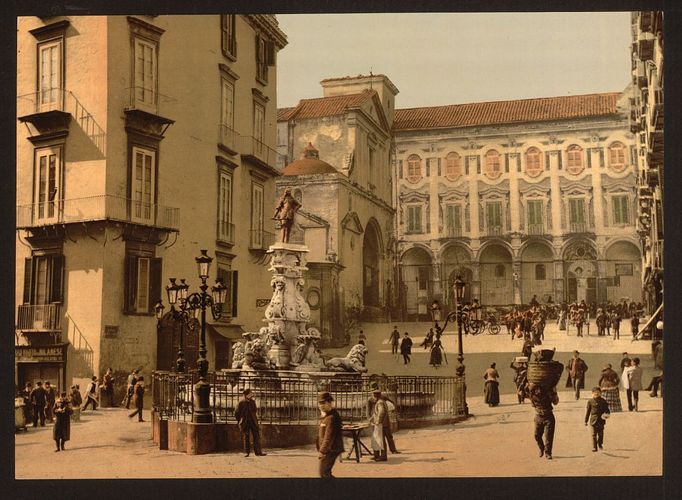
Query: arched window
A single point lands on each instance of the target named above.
(533, 162)
(414, 168)
(574, 157)
(492, 164)
(540, 272)
(617, 156)
(500, 271)
(453, 166)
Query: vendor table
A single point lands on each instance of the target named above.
(353, 430)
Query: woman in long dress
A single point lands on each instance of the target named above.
(436, 353)
(609, 383)
(491, 388)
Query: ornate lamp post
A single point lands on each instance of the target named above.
(191, 306)
(459, 287)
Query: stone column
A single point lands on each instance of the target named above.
(437, 288)
(514, 195)
(557, 202)
(476, 281)
(559, 281)
(473, 204)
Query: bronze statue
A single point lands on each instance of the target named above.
(284, 213)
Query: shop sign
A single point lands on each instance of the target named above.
(38, 353)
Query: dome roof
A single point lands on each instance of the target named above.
(309, 164)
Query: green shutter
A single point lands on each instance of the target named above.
(56, 278)
(27, 279)
(130, 288)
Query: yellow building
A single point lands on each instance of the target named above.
(339, 148)
(141, 140)
(523, 198)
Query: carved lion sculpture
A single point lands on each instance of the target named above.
(353, 362)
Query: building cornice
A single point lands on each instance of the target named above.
(267, 23)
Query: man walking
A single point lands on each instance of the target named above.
(91, 394)
(329, 434)
(406, 348)
(633, 373)
(132, 380)
(38, 400)
(394, 339)
(247, 419)
(615, 322)
(138, 397)
(28, 405)
(542, 398)
(576, 374)
(597, 411)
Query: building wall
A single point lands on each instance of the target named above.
(515, 241)
(98, 64)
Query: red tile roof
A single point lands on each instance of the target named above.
(324, 106)
(498, 112)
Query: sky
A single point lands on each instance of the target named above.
(450, 58)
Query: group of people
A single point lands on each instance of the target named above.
(42, 404)
(608, 316)
(404, 344)
(528, 324)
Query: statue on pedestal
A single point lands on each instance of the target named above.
(284, 213)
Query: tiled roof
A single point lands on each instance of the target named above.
(283, 113)
(324, 106)
(498, 112)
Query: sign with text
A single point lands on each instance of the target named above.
(39, 353)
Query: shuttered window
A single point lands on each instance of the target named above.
(43, 279)
(414, 219)
(576, 211)
(142, 284)
(620, 209)
(535, 212)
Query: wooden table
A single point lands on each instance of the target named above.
(354, 431)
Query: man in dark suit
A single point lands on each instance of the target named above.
(247, 419)
(138, 398)
(406, 347)
(329, 434)
(576, 374)
(394, 340)
(597, 411)
(38, 399)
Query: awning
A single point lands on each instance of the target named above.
(651, 318)
(228, 331)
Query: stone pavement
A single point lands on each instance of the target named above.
(496, 442)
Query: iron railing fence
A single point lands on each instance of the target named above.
(291, 397)
(42, 317)
(92, 208)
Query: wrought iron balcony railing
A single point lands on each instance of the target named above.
(453, 232)
(95, 208)
(494, 231)
(56, 99)
(39, 318)
(578, 227)
(250, 146)
(261, 240)
(536, 229)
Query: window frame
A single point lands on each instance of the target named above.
(414, 169)
(574, 202)
(225, 230)
(228, 35)
(261, 59)
(136, 148)
(534, 159)
(453, 166)
(540, 272)
(56, 94)
(414, 223)
(136, 258)
(535, 211)
(492, 164)
(257, 223)
(143, 102)
(54, 278)
(55, 203)
(619, 150)
(488, 217)
(453, 218)
(575, 162)
(622, 219)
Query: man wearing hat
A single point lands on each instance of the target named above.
(329, 434)
(247, 419)
(576, 374)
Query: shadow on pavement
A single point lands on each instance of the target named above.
(614, 456)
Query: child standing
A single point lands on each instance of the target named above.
(597, 412)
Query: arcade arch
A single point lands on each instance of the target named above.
(496, 275)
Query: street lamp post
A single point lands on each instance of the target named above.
(457, 316)
(192, 305)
